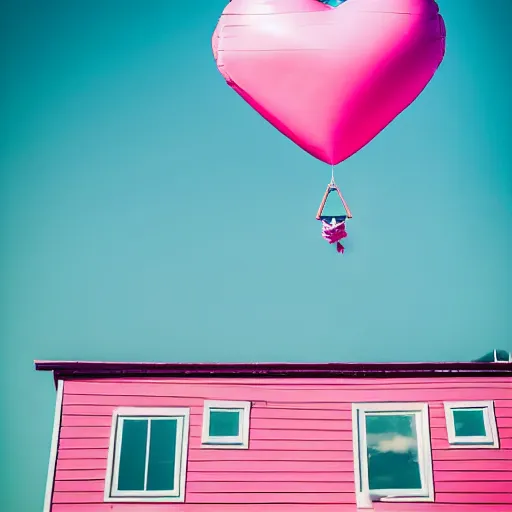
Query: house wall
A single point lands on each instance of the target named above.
(301, 454)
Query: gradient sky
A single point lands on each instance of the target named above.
(147, 213)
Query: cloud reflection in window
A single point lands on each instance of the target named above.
(392, 449)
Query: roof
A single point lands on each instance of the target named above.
(93, 369)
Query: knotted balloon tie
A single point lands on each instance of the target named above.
(333, 233)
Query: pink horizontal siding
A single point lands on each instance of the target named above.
(271, 486)
(300, 444)
(265, 507)
(469, 464)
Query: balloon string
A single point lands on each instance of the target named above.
(332, 174)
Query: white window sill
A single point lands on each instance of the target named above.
(470, 446)
(225, 446)
(365, 501)
(144, 499)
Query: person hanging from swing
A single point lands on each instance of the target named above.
(333, 223)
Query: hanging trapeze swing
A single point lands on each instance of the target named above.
(333, 219)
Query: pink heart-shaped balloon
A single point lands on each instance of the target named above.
(328, 78)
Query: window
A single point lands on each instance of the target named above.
(471, 424)
(393, 461)
(226, 424)
(147, 455)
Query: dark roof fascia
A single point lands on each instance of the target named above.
(91, 369)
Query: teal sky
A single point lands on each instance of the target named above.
(147, 213)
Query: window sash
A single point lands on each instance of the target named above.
(177, 466)
(486, 438)
(489, 440)
(240, 441)
(420, 413)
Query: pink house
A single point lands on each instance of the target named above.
(155, 437)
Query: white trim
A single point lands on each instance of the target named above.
(182, 416)
(496, 360)
(52, 464)
(363, 500)
(148, 446)
(239, 442)
(490, 440)
(420, 410)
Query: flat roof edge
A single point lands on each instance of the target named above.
(92, 369)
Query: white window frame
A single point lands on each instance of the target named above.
(363, 493)
(490, 440)
(182, 415)
(240, 442)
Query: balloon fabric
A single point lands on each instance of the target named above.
(329, 78)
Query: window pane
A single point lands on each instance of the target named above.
(469, 422)
(132, 464)
(162, 455)
(392, 451)
(224, 423)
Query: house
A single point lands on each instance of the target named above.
(281, 437)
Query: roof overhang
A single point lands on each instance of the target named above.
(92, 369)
